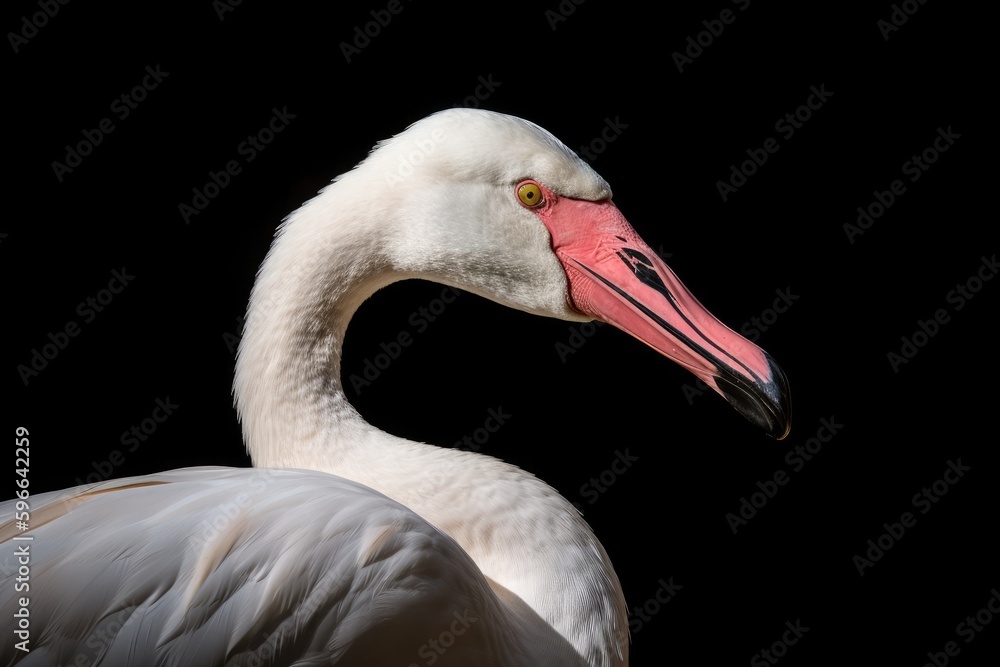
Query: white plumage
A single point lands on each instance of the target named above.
(464, 560)
(213, 566)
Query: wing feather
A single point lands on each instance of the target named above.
(218, 566)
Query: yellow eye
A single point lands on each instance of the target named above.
(530, 195)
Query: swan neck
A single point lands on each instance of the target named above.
(530, 543)
(288, 388)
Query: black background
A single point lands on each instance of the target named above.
(169, 332)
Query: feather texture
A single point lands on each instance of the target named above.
(215, 566)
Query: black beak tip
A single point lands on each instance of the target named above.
(767, 404)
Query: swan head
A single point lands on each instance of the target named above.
(496, 205)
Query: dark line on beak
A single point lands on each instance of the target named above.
(728, 375)
(648, 276)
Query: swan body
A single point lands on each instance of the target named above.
(189, 573)
(347, 545)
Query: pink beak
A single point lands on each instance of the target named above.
(615, 277)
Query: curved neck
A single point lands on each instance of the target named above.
(530, 542)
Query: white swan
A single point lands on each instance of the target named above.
(464, 560)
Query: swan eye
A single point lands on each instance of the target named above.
(530, 195)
